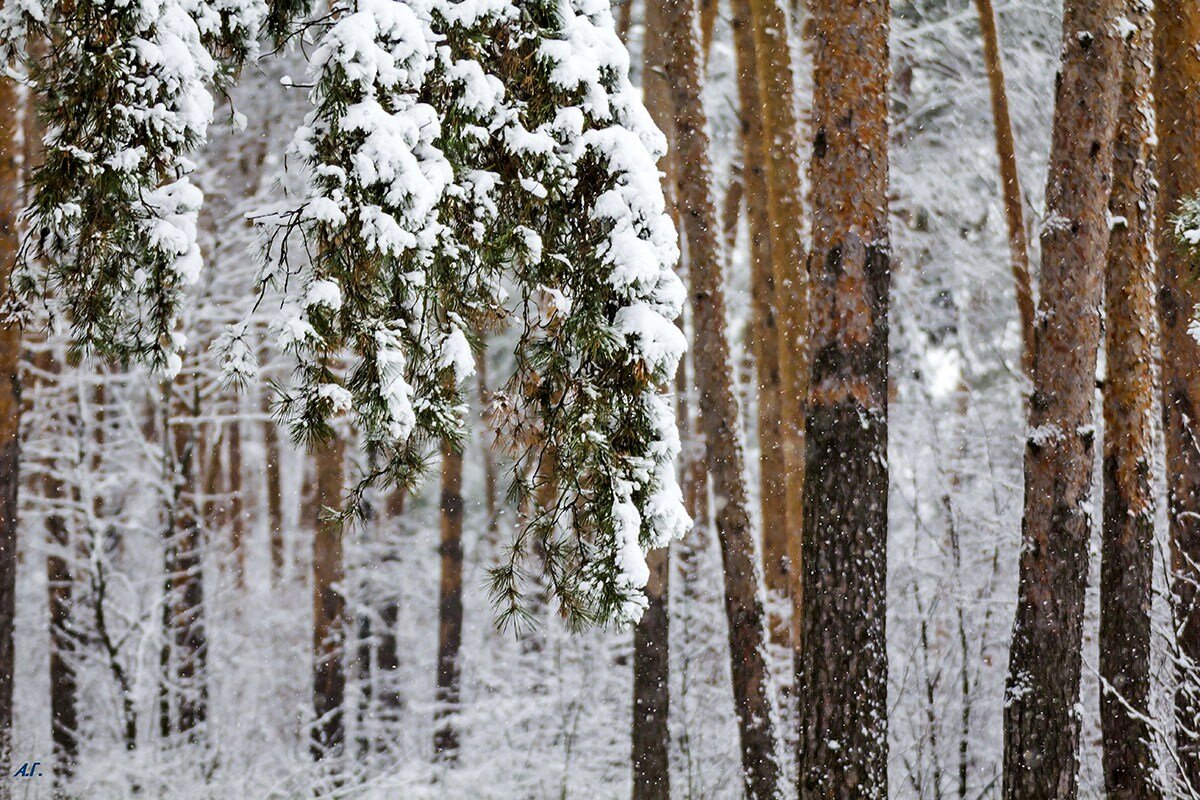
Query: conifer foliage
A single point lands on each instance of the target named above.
(123, 90)
(469, 165)
(473, 165)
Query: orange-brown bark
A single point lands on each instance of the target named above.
(718, 410)
(329, 604)
(450, 608)
(237, 512)
(1130, 403)
(843, 671)
(1176, 87)
(1010, 180)
(764, 331)
(1041, 722)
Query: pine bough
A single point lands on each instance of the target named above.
(471, 164)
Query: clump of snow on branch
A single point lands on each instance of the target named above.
(458, 151)
(125, 95)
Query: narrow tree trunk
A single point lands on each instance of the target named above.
(764, 330)
(387, 664)
(651, 685)
(708, 25)
(366, 685)
(1041, 716)
(329, 604)
(718, 404)
(387, 659)
(450, 608)
(843, 742)
(274, 494)
(1130, 401)
(166, 680)
(190, 639)
(1010, 180)
(64, 725)
(237, 514)
(785, 210)
(490, 490)
(10, 407)
(1176, 87)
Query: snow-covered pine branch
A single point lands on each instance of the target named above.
(455, 148)
(395, 221)
(123, 92)
(599, 297)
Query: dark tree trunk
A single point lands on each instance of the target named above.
(10, 407)
(450, 609)
(64, 726)
(190, 640)
(329, 604)
(366, 685)
(237, 512)
(1176, 87)
(843, 670)
(1041, 718)
(1130, 402)
(719, 415)
(274, 490)
(651, 686)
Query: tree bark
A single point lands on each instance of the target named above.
(781, 149)
(1176, 87)
(450, 609)
(843, 746)
(64, 724)
(237, 513)
(329, 603)
(651, 685)
(1041, 717)
(10, 405)
(189, 635)
(274, 494)
(763, 328)
(1130, 402)
(718, 403)
(1010, 181)
(490, 484)
(366, 685)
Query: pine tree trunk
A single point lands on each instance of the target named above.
(764, 329)
(1130, 402)
(1041, 717)
(190, 639)
(64, 726)
(785, 210)
(366, 686)
(10, 407)
(651, 685)
(843, 743)
(237, 514)
(329, 604)
(388, 657)
(718, 403)
(1176, 87)
(1010, 180)
(450, 609)
(387, 664)
(274, 494)
(490, 490)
